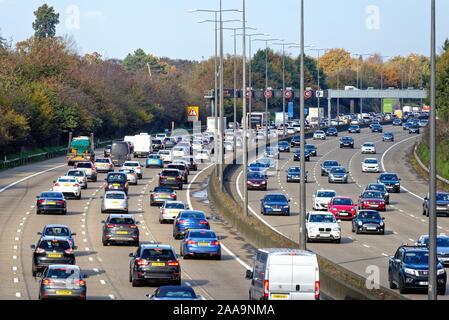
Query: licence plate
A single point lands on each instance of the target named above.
(122, 232)
(325, 235)
(279, 296)
(371, 228)
(170, 179)
(115, 202)
(66, 185)
(63, 292)
(51, 202)
(54, 255)
(158, 264)
(423, 283)
(203, 244)
(116, 185)
(374, 205)
(344, 213)
(277, 210)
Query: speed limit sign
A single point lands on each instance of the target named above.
(288, 94)
(268, 93)
(308, 94)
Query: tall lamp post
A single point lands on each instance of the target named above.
(302, 186)
(318, 50)
(360, 56)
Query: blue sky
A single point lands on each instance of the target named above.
(164, 28)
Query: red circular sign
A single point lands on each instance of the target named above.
(268, 94)
(288, 94)
(308, 94)
(249, 93)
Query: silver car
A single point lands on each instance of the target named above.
(80, 176)
(131, 176)
(338, 174)
(114, 201)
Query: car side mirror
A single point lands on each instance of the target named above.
(39, 233)
(289, 200)
(207, 218)
(102, 221)
(33, 246)
(148, 295)
(397, 260)
(73, 233)
(249, 274)
(383, 218)
(54, 181)
(131, 255)
(37, 197)
(338, 221)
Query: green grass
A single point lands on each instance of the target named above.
(442, 157)
(32, 152)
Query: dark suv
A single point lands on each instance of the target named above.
(51, 250)
(391, 181)
(409, 269)
(295, 142)
(154, 262)
(120, 228)
(116, 181)
(442, 199)
(171, 177)
(347, 142)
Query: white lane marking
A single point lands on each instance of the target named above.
(112, 297)
(91, 259)
(410, 239)
(14, 257)
(96, 270)
(87, 249)
(84, 240)
(16, 280)
(14, 268)
(385, 255)
(395, 232)
(439, 227)
(18, 230)
(27, 213)
(18, 295)
(32, 207)
(366, 246)
(102, 282)
(422, 220)
(16, 239)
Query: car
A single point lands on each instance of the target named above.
(204, 155)
(120, 228)
(103, 165)
(272, 152)
(283, 146)
(114, 201)
(174, 293)
(381, 188)
(192, 164)
(131, 176)
(332, 132)
(442, 205)
(284, 274)
(291, 130)
(327, 165)
(154, 161)
(368, 147)
(59, 230)
(423, 122)
(134, 165)
(322, 226)
(406, 126)
(181, 167)
(51, 202)
(270, 164)
(170, 211)
(107, 151)
(376, 127)
(156, 145)
(161, 194)
(368, 221)
(397, 122)
(391, 181)
(370, 165)
(189, 220)
(51, 250)
(257, 181)
(200, 243)
(321, 199)
(68, 186)
(117, 181)
(442, 247)
(311, 149)
(294, 174)
(166, 155)
(373, 200)
(62, 282)
(180, 151)
(346, 142)
(414, 128)
(169, 143)
(354, 128)
(388, 137)
(275, 203)
(297, 155)
(338, 174)
(319, 135)
(154, 263)
(409, 269)
(89, 169)
(342, 207)
(171, 177)
(295, 141)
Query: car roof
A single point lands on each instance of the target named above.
(49, 238)
(282, 251)
(67, 177)
(193, 211)
(119, 215)
(56, 226)
(321, 213)
(325, 190)
(115, 191)
(342, 197)
(156, 245)
(174, 202)
(64, 266)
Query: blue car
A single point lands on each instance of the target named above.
(442, 247)
(258, 167)
(283, 146)
(388, 136)
(188, 220)
(391, 181)
(154, 161)
(376, 128)
(397, 122)
(294, 174)
(174, 293)
(297, 155)
(58, 230)
(200, 243)
(275, 204)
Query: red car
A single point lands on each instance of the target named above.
(342, 208)
(373, 200)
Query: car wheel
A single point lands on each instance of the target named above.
(338, 240)
(180, 187)
(402, 288)
(78, 197)
(392, 285)
(135, 283)
(105, 243)
(442, 291)
(357, 231)
(352, 228)
(38, 212)
(218, 257)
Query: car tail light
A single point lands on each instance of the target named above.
(173, 263)
(191, 242)
(69, 251)
(215, 243)
(317, 290)
(56, 185)
(266, 285)
(133, 226)
(141, 262)
(173, 195)
(110, 225)
(40, 201)
(161, 177)
(40, 250)
(80, 282)
(60, 202)
(181, 221)
(76, 185)
(47, 282)
(204, 222)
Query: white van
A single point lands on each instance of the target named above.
(284, 274)
(166, 155)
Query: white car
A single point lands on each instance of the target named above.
(321, 199)
(103, 165)
(197, 145)
(355, 121)
(170, 210)
(114, 201)
(322, 226)
(166, 155)
(319, 135)
(133, 165)
(69, 186)
(370, 165)
(291, 130)
(297, 127)
(131, 176)
(202, 156)
(80, 176)
(260, 136)
(180, 151)
(369, 147)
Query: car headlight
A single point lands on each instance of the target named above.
(440, 271)
(267, 207)
(313, 228)
(345, 176)
(286, 207)
(411, 271)
(336, 229)
(396, 184)
(381, 223)
(360, 223)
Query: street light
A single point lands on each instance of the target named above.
(302, 185)
(360, 55)
(318, 50)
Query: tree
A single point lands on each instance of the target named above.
(3, 44)
(442, 86)
(446, 45)
(45, 23)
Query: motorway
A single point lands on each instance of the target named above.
(359, 253)
(107, 268)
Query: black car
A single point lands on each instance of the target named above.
(51, 202)
(116, 181)
(409, 269)
(174, 293)
(283, 146)
(376, 128)
(312, 149)
(295, 141)
(193, 166)
(442, 204)
(354, 128)
(297, 155)
(413, 128)
(391, 181)
(156, 145)
(154, 262)
(51, 250)
(182, 168)
(327, 165)
(347, 142)
(368, 221)
(120, 228)
(397, 122)
(171, 177)
(107, 151)
(381, 188)
(332, 132)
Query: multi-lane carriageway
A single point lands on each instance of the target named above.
(364, 254)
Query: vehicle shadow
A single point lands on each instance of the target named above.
(84, 253)
(89, 273)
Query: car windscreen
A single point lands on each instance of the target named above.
(338, 170)
(174, 206)
(377, 187)
(368, 145)
(322, 218)
(294, 170)
(255, 175)
(121, 220)
(84, 165)
(442, 197)
(158, 254)
(75, 173)
(330, 163)
(170, 173)
(54, 245)
(163, 190)
(66, 180)
(342, 201)
(441, 241)
(283, 143)
(131, 164)
(62, 273)
(102, 161)
(56, 231)
(202, 234)
(372, 195)
(154, 156)
(115, 195)
(391, 177)
(326, 194)
(116, 178)
(369, 215)
(371, 161)
(275, 198)
(192, 215)
(176, 293)
(157, 141)
(165, 152)
(416, 257)
(52, 195)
